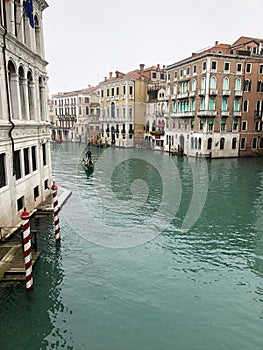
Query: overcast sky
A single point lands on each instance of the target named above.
(85, 40)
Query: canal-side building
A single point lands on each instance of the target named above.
(72, 111)
(207, 94)
(123, 100)
(25, 166)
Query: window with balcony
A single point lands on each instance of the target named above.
(203, 82)
(211, 104)
(236, 105)
(174, 107)
(212, 83)
(194, 85)
(202, 104)
(193, 105)
(223, 126)
(238, 85)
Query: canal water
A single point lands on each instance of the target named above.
(157, 253)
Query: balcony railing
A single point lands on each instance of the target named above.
(201, 92)
(192, 93)
(182, 114)
(226, 92)
(213, 92)
(183, 95)
(237, 113)
(238, 93)
(258, 114)
(207, 113)
(224, 113)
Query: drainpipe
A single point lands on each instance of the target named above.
(3, 23)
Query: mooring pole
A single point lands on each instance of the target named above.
(27, 249)
(56, 210)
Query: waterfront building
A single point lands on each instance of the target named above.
(72, 110)
(123, 100)
(25, 166)
(215, 101)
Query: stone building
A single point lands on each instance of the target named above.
(123, 99)
(72, 112)
(25, 166)
(208, 115)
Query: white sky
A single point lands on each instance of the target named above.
(85, 40)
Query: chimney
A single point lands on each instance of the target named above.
(141, 67)
(216, 43)
(158, 66)
(117, 74)
(110, 75)
(164, 67)
(105, 78)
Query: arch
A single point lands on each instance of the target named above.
(13, 89)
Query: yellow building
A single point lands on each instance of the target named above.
(123, 100)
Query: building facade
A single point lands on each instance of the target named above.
(123, 100)
(211, 113)
(25, 166)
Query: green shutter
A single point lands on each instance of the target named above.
(210, 122)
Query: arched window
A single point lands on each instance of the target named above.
(112, 107)
(175, 89)
(13, 90)
(212, 83)
(41, 90)
(247, 85)
(226, 84)
(38, 36)
(174, 109)
(202, 104)
(194, 85)
(30, 93)
(203, 82)
(22, 92)
(238, 85)
(236, 105)
(209, 143)
(224, 104)
(234, 143)
(222, 143)
(212, 104)
(193, 105)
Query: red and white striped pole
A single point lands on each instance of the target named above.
(56, 210)
(27, 249)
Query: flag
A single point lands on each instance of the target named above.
(28, 8)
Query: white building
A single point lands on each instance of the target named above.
(25, 166)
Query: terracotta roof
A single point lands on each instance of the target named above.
(243, 40)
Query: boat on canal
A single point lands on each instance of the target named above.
(88, 164)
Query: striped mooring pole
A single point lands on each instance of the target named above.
(56, 210)
(27, 249)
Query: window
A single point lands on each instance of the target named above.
(235, 125)
(194, 69)
(181, 72)
(194, 85)
(244, 126)
(101, 93)
(213, 83)
(260, 86)
(112, 91)
(202, 104)
(234, 143)
(131, 90)
(162, 77)
(212, 104)
(201, 125)
(2, 170)
(124, 90)
(224, 104)
(236, 105)
(238, 85)
(226, 84)
(44, 156)
(204, 66)
(261, 69)
(245, 106)
(187, 70)
(222, 143)
(226, 66)
(26, 160)
(17, 164)
(254, 142)
(248, 68)
(108, 92)
(36, 192)
(213, 65)
(175, 75)
(203, 82)
(239, 68)
(261, 143)
(223, 126)
(34, 160)
(247, 85)
(46, 184)
(210, 125)
(154, 75)
(20, 203)
(209, 143)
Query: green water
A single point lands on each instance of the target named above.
(196, 284)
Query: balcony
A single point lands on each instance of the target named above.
(207, 113)
(183, 95)
(188, 114)
(173, 97)
(192, 93)
(224, 113)
(213, 92)
(226, 92)
(201, 92)
(238, 93)
(237, 114)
